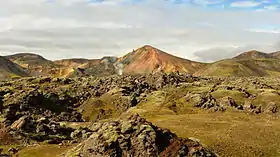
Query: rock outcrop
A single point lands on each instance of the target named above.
(136, 137)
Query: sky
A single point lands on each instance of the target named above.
(200, 30)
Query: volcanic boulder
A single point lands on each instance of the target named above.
(135, 137)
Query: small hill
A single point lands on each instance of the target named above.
(251, 63)
(226, 68)
(253, 55)
(74, 62)
(275, 54)
(148, 59)
(29, 60)
(34, 63)
(9, 69)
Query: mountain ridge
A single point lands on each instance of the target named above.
(148, 59)
(250, 63)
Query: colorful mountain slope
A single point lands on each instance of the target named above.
(148, 59)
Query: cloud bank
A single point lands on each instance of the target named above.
(195, 29)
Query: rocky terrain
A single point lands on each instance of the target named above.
(136, 137)
(76, 112)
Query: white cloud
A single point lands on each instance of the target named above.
(273, 31)
(76, 28)
(271, 7)
(207, 2)
(245, 4)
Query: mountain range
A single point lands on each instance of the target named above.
(146, 59)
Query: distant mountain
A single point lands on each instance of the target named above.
(74, 62)
(148, 59)
(9, 69)
(275, 54)
(253, 55)
(28, 59)
(251, 63)
(95, 67)
(35, 64)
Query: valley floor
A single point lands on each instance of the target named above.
(227, 134)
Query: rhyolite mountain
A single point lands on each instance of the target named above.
(147, 59)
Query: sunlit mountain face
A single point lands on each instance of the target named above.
(200, 30)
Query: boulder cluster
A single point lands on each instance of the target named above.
(136, 137)
(207, 101)
(28, 129)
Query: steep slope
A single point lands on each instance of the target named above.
(251, 63)
(9, 69)
(148, 59)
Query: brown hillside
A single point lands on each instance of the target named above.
(253, 55)
(35, 64)
(251, 63)
(9, 69)
(148, 59)
(74, 63)
(275, 54)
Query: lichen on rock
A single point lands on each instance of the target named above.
(136, 137)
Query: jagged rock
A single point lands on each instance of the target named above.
(12, 150)
(249, 107)
(229, 102)
(43, 120)
(76, 134)
(205, 101)
(271, 108)
(135, 137)
(21, 123)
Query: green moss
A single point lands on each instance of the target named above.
(236, 95)
(42, 151)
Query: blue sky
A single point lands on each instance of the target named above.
(202, 30)
(220, 4)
